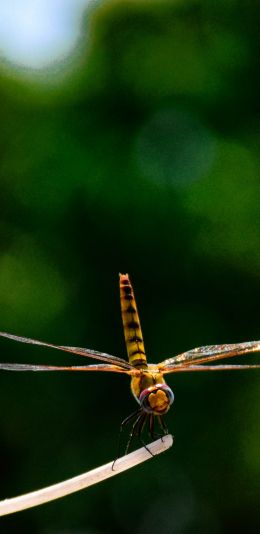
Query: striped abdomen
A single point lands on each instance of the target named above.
(131, 323)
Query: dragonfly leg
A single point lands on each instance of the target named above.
(151, 426)
(163, 425)
(154, 435)
(123, 424)
(129, 418)
(139, 430)
(135, 430)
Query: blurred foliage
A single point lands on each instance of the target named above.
(141, 156)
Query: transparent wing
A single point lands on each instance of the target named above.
(213, 368)
(209, 353)
(74, 350)
(28, 367)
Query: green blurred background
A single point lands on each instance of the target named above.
(135, 150)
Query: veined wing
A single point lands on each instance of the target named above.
(114, 360)
(190, 368)
(29, 367)
(208, 353)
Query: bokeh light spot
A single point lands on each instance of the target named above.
(173, 148)
(36, 33)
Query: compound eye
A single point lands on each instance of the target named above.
(170, 395)
(156, 399)
(144, 401)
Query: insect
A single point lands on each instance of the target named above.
(153, 395)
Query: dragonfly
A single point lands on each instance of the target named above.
(148, 386)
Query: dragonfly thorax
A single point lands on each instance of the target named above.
(156, 399)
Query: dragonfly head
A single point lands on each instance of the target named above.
(156, 399)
